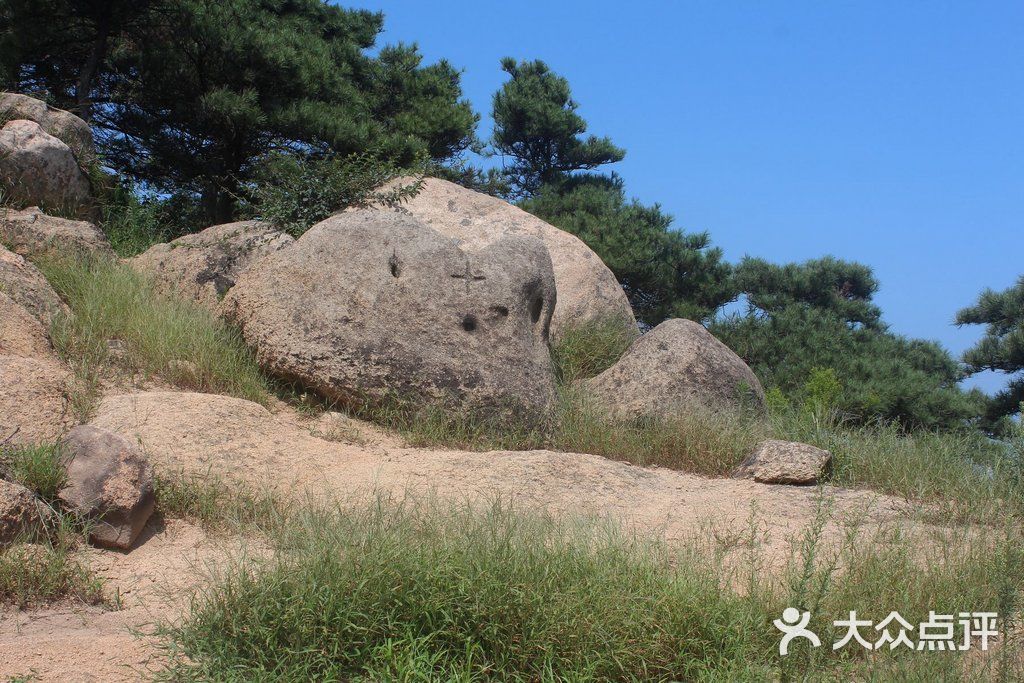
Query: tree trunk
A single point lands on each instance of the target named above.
(83, 89)
(218, 205)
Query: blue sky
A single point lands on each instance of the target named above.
(890, 133)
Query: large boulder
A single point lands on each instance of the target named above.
(587, 289)
(63, 125)
(21, 514)
(110, 482)
(37, 169)
(22, 282)
(205, 265)
(675, 365)
(369, 306)
(30, 232)
(785, 462)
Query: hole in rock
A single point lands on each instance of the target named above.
(469, 323)
(395, 266)
(536, 306)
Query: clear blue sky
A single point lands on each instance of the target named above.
(890, 133)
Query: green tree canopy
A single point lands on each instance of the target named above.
(1002, 347)
(536, 125)
(60, 47)
(666, 273)
(193, 94)
(802, 317)
(844, 288)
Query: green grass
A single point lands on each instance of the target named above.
(964, 470)
(217, 505)
(39, 468)
(432, 592)
(42, 568)
(588, 349)
(159, 336)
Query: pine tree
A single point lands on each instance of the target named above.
(1002, 347)
(803, 318)
(537, 126)
(666, 273)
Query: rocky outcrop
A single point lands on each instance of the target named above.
(205, 266)
(587, 289)
(21, 515)
(63, 125)
(30, 233)
(33, 404)
(785, 462)
(20, 333)
(22, 282)
(110, 482)
(369, 306)
(37, 169)
(678, 363)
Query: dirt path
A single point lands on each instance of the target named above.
(242, 441)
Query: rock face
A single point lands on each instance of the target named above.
(20, 333)
(676, 364)
(63, 125)
(110, 482)
(21, 515)
(37, 169)
(368, 306)
(33, 402)
(785, 462)
(587, 290)
(30, 232)
(22, 282)
(205, 265)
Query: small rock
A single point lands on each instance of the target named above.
(110, 482)
(785, 462)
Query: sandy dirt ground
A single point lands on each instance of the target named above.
(332, 457)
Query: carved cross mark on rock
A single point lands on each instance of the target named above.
(468, 275)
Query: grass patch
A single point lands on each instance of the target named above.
(588, 349)
(41, 468)
(962, 468)
(119, 322)
(217, 505)
(41, 567)
(430, 592)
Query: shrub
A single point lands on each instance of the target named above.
(294, 192)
